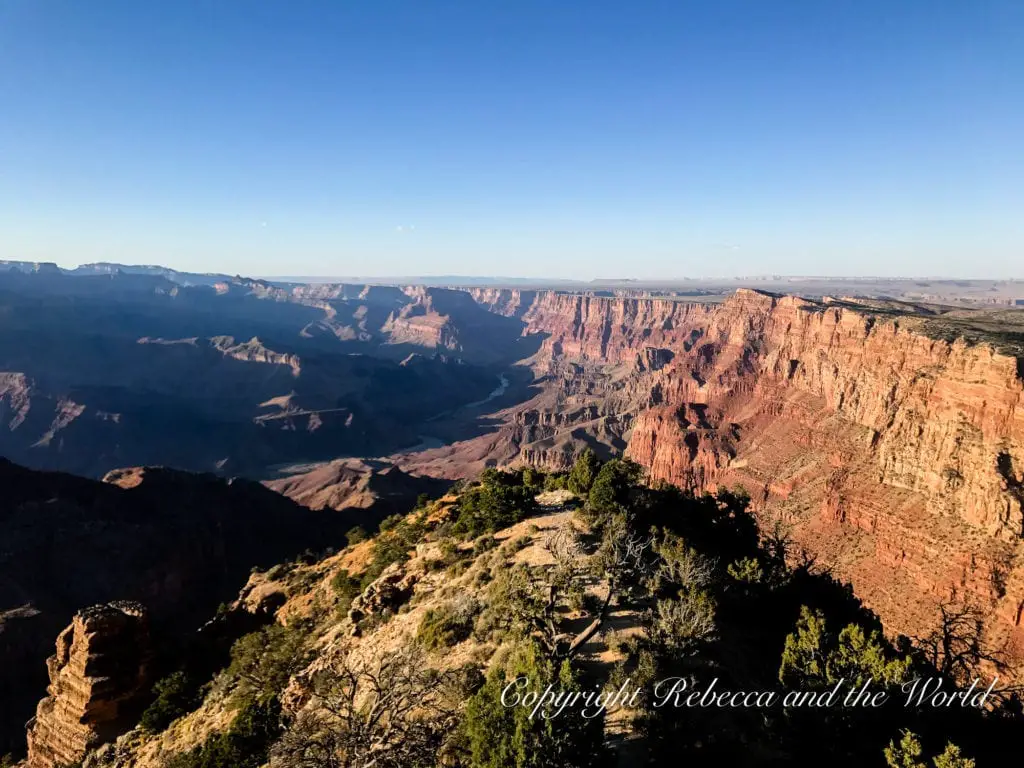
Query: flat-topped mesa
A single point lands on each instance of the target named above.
(610, 329)
(99, 677)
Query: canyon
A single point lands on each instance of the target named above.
(886, 435)
(887, 438)
(101, 371)
(883, 438)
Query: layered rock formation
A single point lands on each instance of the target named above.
(99, 676)
(100, 371)
(888, 438)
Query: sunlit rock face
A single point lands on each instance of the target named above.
(99, 676)
(891, 449)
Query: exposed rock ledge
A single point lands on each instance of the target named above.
(98, 678)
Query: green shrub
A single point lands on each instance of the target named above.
(612, 487)
(176, 695)
(498, 501)
(356, 535)
(813, 656)
(484, 544)
(583, 473)
(388, 548)
(244, 745)
(450, 551)
(512, 546)
(907, 754)
(280, 570)
(746, 570)
(346, 587)
(534, 479)
(500, 736)
(556, 482)
(264, 661)
(390, 522)
(447, 626)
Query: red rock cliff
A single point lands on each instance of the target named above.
(896, 457)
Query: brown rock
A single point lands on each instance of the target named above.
(99, 676)
(388, 592)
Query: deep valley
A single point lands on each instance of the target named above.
(884, 438)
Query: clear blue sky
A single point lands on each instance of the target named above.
(565, 139)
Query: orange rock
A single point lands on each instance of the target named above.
(98, 677)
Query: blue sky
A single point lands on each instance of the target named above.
(562, 139)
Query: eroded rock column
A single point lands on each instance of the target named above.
(99, 676)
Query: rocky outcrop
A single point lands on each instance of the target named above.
(254, 351)
(179, 543)
(452, 320)
(509, 302)
(384, 595)
(611, 330)
(99, 677)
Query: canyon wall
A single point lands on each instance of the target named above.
(894, 457)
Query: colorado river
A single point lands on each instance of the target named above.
(428, 441)
(496, 392)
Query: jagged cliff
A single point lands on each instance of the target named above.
(888, 437)
(99, 676)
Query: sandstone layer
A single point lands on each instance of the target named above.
(888, 438)
(99, 676)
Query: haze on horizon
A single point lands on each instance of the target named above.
(652, 140)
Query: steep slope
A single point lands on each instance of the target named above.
(894, 455)
(400, 650)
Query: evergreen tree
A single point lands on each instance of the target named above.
(501, 736)
(813, 657)
(583, 472)
(905, 754)
(951, 758)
